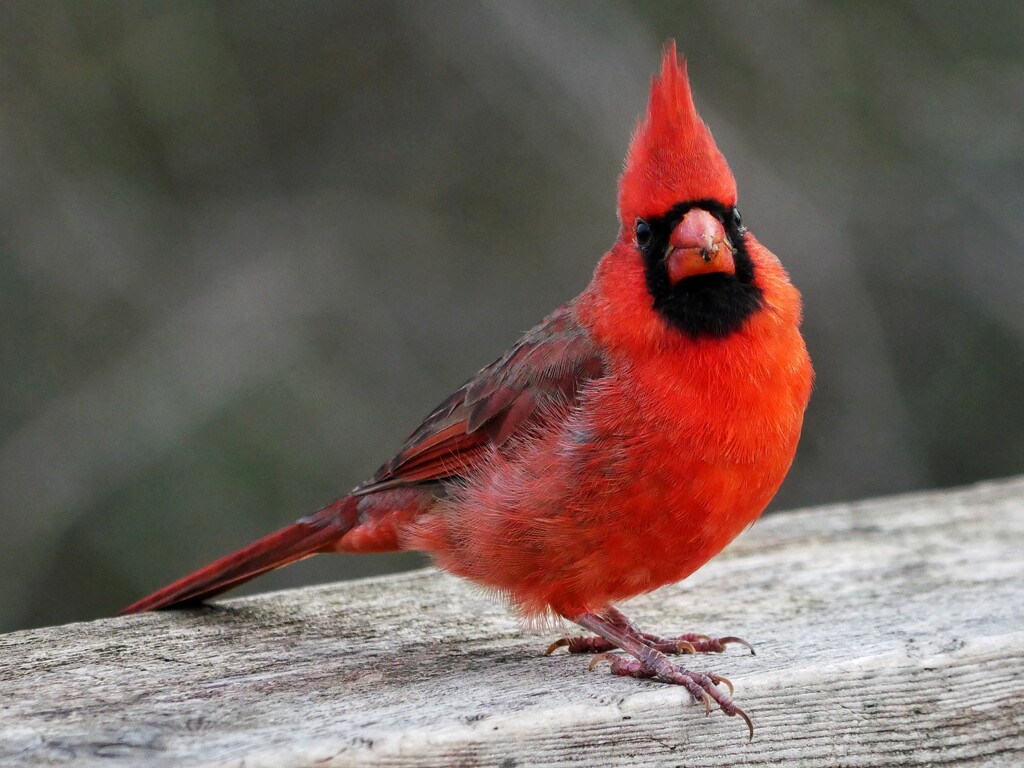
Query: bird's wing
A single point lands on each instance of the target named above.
(549, 364)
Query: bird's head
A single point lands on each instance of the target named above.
(677, 207)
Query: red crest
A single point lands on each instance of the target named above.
(672, 156)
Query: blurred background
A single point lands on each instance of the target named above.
(246, 246)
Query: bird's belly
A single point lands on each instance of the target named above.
(673, 520)
(595, 514)
(680, 508)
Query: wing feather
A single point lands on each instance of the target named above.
(550, 363)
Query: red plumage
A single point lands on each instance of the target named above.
(672, 156)
(622, 442)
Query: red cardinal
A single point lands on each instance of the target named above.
(619, 444)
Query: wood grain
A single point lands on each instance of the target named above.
(888, 632)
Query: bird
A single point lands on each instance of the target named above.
(619, 444)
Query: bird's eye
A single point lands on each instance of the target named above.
(737, 220)
(643, 233)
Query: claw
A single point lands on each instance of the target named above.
(707, 644)
(746, 719)
(559, 643)
(738, 641)
(707, 704)
(716, 679)
(598, 659)
(683, 646)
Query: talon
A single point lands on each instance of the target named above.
(559, 643)
(746, 719)
(682, 646)
(707, 704)
(738, 641)
(598, 659)
(716, 679)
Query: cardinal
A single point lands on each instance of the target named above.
(619, 444)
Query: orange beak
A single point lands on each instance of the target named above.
(698, 246)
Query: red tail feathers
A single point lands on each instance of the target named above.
(294, 542)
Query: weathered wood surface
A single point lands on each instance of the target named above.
(888, 632)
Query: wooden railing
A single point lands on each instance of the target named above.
(888, 632)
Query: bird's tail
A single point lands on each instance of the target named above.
(294, 542)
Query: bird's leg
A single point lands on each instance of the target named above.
(648, 661)
(688, 643)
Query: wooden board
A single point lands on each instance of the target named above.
(887, 632)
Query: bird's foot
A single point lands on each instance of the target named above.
(703, 687)
(688, 643)
(646, 657)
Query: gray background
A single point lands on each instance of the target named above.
(246, 246)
